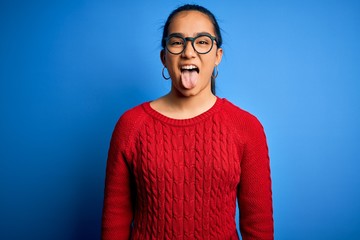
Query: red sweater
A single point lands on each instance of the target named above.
(179, 179)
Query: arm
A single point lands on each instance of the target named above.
(254, 190)
(118, 209)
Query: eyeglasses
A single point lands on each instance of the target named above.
(202, 44)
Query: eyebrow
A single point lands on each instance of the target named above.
(182, 35)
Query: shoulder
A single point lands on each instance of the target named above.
(132, 116)
(242, 121)
(129, 123)
(237, 114)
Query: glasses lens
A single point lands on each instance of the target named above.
(175, 44)
(203, 44)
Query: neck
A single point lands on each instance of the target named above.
(189, 106)
(176, 105)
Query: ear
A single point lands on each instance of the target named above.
(219, 54)
(163, 57)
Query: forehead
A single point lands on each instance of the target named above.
(190, 23)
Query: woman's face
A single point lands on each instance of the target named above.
(190, 71)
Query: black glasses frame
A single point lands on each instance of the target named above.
(191, 39)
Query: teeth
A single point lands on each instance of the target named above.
(189, 67)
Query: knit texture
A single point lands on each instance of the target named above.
(179, 179)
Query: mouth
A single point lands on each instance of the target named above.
(189, 68)
(189, 76)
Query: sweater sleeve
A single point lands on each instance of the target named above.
(118, 205)
(254, 190)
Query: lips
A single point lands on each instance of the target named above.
(190, 68)
(189, 76)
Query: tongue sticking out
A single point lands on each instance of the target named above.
(189, 78)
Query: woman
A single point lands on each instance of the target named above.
(176, 165)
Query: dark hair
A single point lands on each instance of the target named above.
(194, 7)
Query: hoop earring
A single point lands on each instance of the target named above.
(216, 73)
(163, 74)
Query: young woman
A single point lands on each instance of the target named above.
(177, 164)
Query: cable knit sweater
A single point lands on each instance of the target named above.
(179, 179)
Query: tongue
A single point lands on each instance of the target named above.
(189, 79)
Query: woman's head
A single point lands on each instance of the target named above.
(199, 41)
(192, 7)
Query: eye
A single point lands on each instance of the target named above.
(203, 40)
(175, 41)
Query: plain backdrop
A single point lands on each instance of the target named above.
(69, 69)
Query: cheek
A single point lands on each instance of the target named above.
(170, 57)
(209, 64)
(170, 62)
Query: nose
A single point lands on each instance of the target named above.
(189, 50)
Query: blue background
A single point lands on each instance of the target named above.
(69, 69)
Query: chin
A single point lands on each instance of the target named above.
(186, 93)
(193, 92)
(181, 91)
